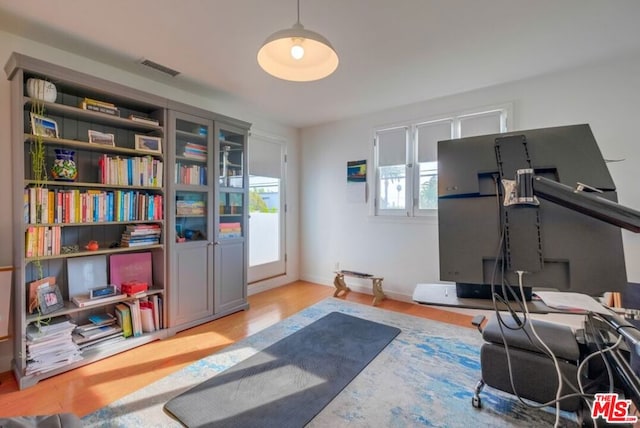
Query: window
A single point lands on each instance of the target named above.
(406, 159)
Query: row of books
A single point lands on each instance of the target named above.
(190, 207)
(195, 151)
(50, 345)
(134, 171)
(42, 205)
(43, 241)
(190, 174)
(230, 230)
(100, 106)
(141, 234)
(140, 316)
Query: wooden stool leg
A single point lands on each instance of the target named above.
(340, 285)
(378, 294)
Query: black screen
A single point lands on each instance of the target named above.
(577, 252)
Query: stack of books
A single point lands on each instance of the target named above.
(141, 234)
(230, 230)
(195, 151)
(101, 331)
(99, 106)
(50, 346)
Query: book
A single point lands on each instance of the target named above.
(98, 103)
(143, 119)
(102, 319)
(130, 267)
(101, 109)
(123, 314)
(102, 331)
(84, 301)
(136, 321)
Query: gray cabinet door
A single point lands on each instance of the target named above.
(231, 289)
(191, 288)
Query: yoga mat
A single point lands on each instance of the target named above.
(289, 382)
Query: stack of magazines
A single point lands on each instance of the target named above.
(50, 346)
(101, 331)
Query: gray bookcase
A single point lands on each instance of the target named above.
(191, 283)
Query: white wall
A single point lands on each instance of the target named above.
(405, 253)
(227, 106)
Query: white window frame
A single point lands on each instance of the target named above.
(412, 168)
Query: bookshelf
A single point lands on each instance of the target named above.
(114, 186)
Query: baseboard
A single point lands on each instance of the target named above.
(268, 284)
(359, 286)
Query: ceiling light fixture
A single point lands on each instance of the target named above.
(297, 54)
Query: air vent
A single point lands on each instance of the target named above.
(160, 67)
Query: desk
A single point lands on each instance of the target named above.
(445, 295)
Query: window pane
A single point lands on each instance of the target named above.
(428, 186)
(392, 146)
(428, 136)
(264, 220)
(392, 187)
(480, 124)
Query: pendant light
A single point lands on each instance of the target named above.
(297, 54)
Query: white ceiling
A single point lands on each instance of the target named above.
(392, 52)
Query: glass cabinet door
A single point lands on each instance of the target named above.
(231, 215)
(231, 195)
(231, 159)
(192, 192)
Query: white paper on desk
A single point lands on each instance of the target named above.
(571, 302)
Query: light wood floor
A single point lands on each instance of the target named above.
(86, 389)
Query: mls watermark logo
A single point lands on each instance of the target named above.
(612, 409)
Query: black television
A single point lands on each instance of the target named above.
(561, 244)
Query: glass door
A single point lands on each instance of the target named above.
(191, 227)
(230, 246)
(267, 255)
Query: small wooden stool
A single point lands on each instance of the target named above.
(338, 282)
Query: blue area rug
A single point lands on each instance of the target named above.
(425, 377)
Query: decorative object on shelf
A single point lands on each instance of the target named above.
(69, 249)
(148, 143)
(297, 54)
(96, 137)
(33, 291)
(43, 126)
(92, 246)
(102, 292)
(50, 299)
(41, 90)
(64, 166)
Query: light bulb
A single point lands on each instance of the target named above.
(297, 51)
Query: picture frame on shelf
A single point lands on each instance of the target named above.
(33, 291)
(43, 126)
(148, 143)
(50, 299)
(102, 138)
